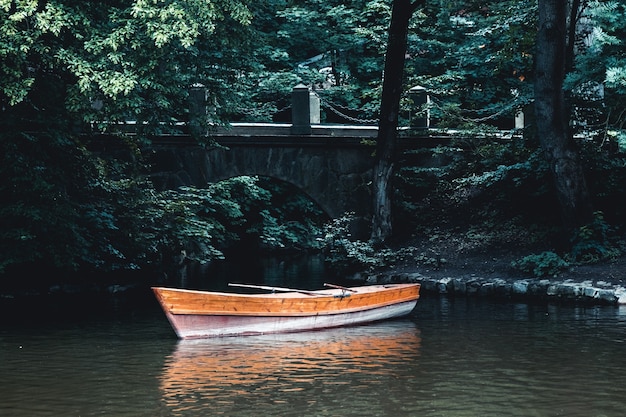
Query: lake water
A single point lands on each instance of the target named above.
(451, 357)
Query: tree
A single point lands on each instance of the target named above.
(597, 80)
(123, 60)
(388, 123)
(335, 46)
(475, 60)
(552, 116)
(70, 69)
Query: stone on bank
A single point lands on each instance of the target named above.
(527, 289)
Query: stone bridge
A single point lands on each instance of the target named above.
(332, 164)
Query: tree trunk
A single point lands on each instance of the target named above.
(388, 120)
(552, 116)
(571, 35)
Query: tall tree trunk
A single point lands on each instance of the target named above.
(574, 15)
(552, 116)
(388, 119)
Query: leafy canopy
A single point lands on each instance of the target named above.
(121, 60)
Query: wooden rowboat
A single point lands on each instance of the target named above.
(202, 314)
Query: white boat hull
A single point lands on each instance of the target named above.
(189, 326)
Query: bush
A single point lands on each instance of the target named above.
(544, 264)
(592, 242)
(347, 255)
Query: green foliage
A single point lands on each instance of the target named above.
(488, 175)
(291, 220)
(205, 222)
(347, 255)
(542, 265)
(598, 80)
(64, 215)
(335, 46)
(126, 224)
(593, 242)
(120, 61)
(71, 68)
(475, 59)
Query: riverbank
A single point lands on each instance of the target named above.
(555, 290)
(453, 267)
(526, 290)
(490, 274)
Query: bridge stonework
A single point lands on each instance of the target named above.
(334, 171)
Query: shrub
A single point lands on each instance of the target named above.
(544, 264)
(592, 243)
(347, 255)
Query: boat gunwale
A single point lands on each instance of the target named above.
(329, 296)
(333, 292)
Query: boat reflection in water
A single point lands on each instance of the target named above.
(291, 374)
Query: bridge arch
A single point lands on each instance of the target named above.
(336, 178)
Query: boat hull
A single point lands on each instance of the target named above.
(197, 314)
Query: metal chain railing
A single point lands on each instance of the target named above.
(506, 108)
(333, 107)
(265, 109)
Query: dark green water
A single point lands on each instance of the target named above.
(451, 357)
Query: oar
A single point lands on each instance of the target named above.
(340, 287)
(273, 289)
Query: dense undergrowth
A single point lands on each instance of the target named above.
(487, 197)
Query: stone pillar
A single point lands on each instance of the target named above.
(419, 117)
(519, 119)
(525, 119)
(305, 109)
(314, 108)
(198, 110)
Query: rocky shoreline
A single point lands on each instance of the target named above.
(557, 290)
(524, 290)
